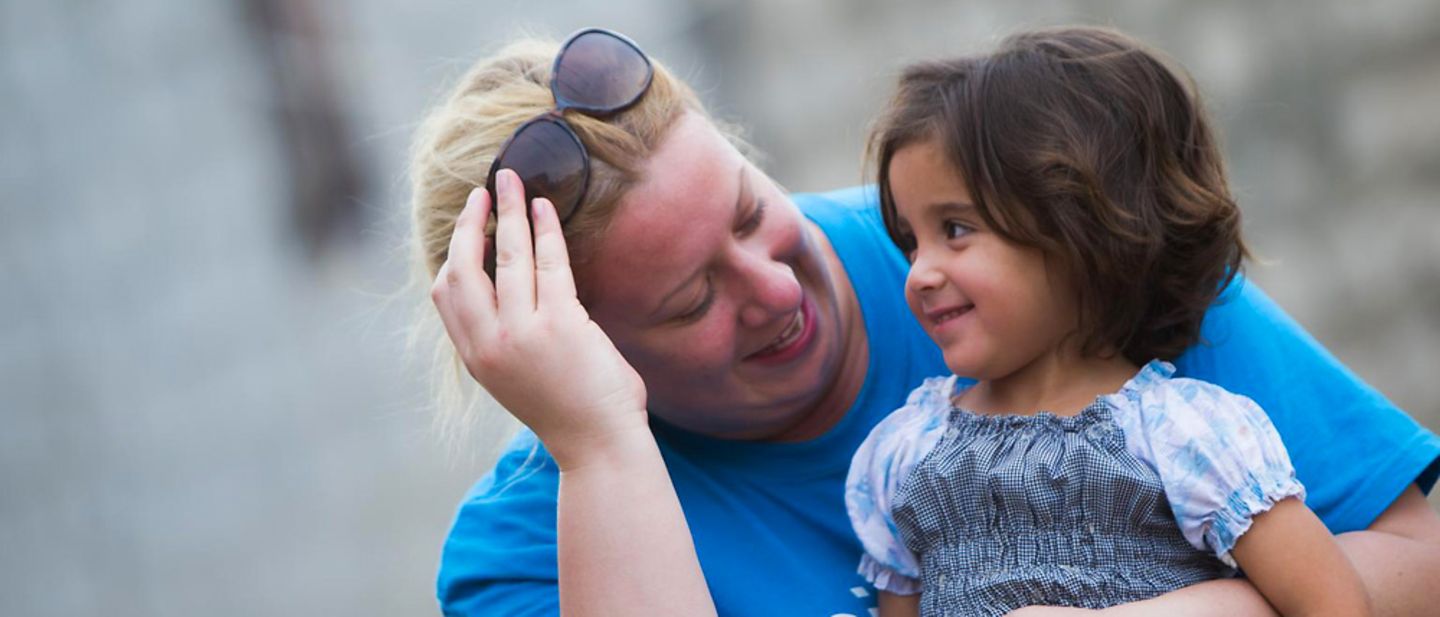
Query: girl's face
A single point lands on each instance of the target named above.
(721, 295)
(993, 306)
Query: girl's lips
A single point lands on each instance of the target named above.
(948, 316)
(798, 343)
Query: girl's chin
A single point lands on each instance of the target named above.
(964, 364)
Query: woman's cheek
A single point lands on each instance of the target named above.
(717, 345)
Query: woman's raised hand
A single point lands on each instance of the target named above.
(525, 337)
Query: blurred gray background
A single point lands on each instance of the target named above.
(206, 402)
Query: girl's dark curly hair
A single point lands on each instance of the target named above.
(1083, 143)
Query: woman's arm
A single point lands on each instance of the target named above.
(1290, 556)
(1398, 557)
(624, 547)
(896, 605)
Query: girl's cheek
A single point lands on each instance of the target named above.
(912, 300)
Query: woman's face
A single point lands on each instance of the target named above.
(719, 292)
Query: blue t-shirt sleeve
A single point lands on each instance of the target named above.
(500, 556)
(1353, 449)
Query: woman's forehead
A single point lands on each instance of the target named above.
(668, 227)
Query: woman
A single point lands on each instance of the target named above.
(766, 338)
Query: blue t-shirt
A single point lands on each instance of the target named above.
(769, 519)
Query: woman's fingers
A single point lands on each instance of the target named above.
(514, 256)
(442, 294)
(554, 283)
(462, 293)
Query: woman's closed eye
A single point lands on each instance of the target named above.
(694, 314)
(753, 221)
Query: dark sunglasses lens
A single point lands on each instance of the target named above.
(600, 72)
(551, 162)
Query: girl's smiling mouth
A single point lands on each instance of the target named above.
(938, 318)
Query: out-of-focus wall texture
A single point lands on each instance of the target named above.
(206, 405)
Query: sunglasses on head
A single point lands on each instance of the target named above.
(598, 73)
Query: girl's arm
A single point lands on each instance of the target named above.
(1260, 351)
(624, 547)
(1398, 557)
(1292, 559)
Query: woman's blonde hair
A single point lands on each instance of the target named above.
(457, 142)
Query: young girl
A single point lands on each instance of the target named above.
(1065, 209)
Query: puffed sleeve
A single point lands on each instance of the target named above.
(878, 470)
(1220, 459)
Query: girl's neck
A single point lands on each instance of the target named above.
(1062, 382)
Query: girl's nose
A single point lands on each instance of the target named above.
(923, 278)
(773, 290)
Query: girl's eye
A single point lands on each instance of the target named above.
(753, 223)
(955, 229)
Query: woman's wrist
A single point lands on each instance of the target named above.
(616, 446)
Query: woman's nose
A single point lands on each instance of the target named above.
(772, 289)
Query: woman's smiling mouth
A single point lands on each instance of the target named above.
(792, 341)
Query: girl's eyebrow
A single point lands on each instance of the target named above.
(958, 207)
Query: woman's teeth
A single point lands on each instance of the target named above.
(797, 325)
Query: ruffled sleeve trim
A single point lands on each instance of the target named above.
(1243, 505)
(1218, 455)
(886, 579)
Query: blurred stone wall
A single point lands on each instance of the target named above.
(205, 412)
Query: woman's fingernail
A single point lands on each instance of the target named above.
(476, 194)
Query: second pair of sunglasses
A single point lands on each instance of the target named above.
(597, 72)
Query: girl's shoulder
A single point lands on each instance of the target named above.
(879, 469)
(908, 433)
(935, 393)
(1216, 452)
(1158, 397)
(925, 410)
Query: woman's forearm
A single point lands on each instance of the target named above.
(1400, 574)
(1398, 557)
(624, 546)
(1231, 597)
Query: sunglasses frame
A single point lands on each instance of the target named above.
(556, 115)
